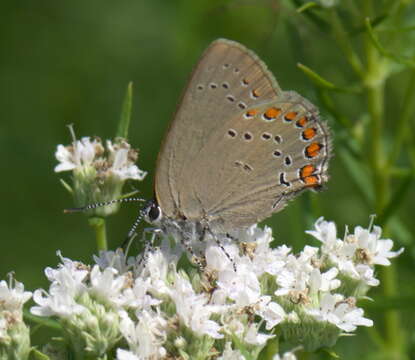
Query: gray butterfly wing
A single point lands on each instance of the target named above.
(226, 72)
(239, 147)
(258, 160)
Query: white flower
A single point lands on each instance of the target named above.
(59, 302)
(253, 337)
(115, 259)
(122, 163)
(80, 153)
(13, 297)
(146, 337)
(356, 252)
(326, 232)
(156, 269)
(286, 356)
(126, 355)
(366, 274)
(107, 285)
(67, 283)
(98, 173)
(230, 354)
(193, 309)
(90, 153)
(137, 297)
(370, 248)
(242, 286)
(323, 282)
(265, 259)
(342, 313)
(69, 276)
(295, 276)
(270, 311)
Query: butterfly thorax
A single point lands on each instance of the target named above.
(180, 228)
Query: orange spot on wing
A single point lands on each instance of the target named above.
(302, 121)
(311, 180)
(306, 171)
(290, 116)
(309, 133)
(251, 112)
(313, 149)
(272, 113)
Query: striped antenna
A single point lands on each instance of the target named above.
(96, 205)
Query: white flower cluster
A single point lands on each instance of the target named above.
(87, 153)
(247, 294)
(98, 173)
(14, 334)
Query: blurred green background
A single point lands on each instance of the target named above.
(69, 62)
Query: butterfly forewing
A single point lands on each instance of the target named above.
(228, 79)
(239, 147)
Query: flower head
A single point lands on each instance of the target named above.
(14, 334)
(99, 172)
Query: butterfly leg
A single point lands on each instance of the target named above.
(222, 248)
(148, 245)
(186, 241)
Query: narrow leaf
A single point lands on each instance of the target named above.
(323, 83)
(47, 322)
(375, 22)
(313, 17)
(66, 186)
(306, 6)
(386, 53)
(125, 118)
(359, 174)
(35, 354)
(401, 232)
(396, 200)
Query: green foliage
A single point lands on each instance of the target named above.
(69, 62)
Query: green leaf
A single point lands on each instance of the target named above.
(319, 21)
(270, 350)
(35, 354)
(375, 22)
(384, 303)
(323, 83)
(386, 53)
(66, 186)
(125, 118)
(395, 202)
(330, 352)
(47, 322)
(306, 6)
(358, 173)
(401, 232)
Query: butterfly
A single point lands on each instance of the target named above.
(238, 149)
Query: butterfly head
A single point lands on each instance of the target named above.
(152, 212)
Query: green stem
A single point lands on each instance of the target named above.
(98, 224)
(375, 95)
(375, 84)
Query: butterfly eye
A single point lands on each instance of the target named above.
(154, 213)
